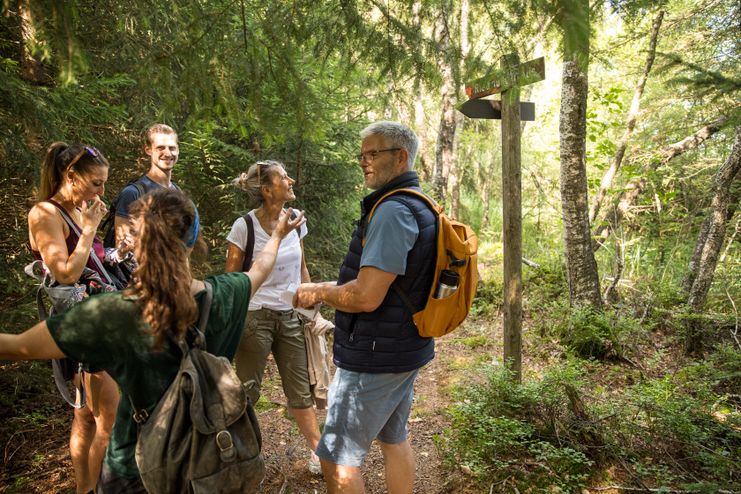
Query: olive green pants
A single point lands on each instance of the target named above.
(282, 333)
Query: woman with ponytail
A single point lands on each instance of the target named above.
(62, 233)
(273, 326)
(130, 333)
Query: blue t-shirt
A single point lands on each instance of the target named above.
(130, 194)
(390, 236)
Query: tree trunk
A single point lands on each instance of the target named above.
(32, 69)
(455, 168)
(425, 168)
(581, 267)
(636, 186)
(710, 242)
(445, 155)
(630, 124)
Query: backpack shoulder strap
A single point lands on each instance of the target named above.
(139, 185)
(93, 255)
(421, 195)
(205, 308)
(140, 415)
(199, 340)
(436, 208)
(249, 247)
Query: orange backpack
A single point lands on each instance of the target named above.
(457, 245)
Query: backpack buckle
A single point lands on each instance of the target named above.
(224, 440)
(140, 416)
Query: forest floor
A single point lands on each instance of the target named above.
(34, 425)
(34, 421)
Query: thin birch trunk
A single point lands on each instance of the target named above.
(581, 266)
(636, 186)
(711, 240)
(630, 124)
(455, 169)
(444, 155)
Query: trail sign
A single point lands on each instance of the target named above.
(507, 80)
(498, 81)
(492, 109)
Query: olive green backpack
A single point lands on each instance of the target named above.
(203, 435)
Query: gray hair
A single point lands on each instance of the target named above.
(258, 175)
(397, 135)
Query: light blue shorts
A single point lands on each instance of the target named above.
(364, 407)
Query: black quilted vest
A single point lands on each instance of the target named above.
(386, 340)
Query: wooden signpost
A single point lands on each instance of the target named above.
(507, 81)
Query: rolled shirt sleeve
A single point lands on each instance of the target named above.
(390, 236)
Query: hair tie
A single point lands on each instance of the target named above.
(190, 237)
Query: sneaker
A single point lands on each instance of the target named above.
(314, 466)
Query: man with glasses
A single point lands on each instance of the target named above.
(161, 145)
(388, 270)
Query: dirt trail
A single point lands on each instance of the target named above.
(286, 454)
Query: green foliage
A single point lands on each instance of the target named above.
(592, 334)
(488, 297)
(680, 429)
(475, 341)
(546, 283)
(689, 419)
(503, 430)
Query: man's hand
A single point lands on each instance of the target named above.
(307, 295)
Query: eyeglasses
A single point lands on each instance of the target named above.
(370, 156)
(86, 149)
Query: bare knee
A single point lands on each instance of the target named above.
(342, 479)
(83, 417)
(398, 449)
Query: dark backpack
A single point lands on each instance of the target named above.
(203, 435)
(249, 247)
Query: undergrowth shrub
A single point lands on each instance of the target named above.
(592, 334)
(546, 283)
(522, 432)
(488, 297)
(677, 431)
(687, 423)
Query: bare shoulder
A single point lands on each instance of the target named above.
(44, 216)
(42, 211)
(45, 226)
(197, 286)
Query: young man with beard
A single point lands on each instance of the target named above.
(162, 148)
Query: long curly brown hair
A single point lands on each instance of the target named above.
(162, 280)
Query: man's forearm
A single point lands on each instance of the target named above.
(347, 298)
